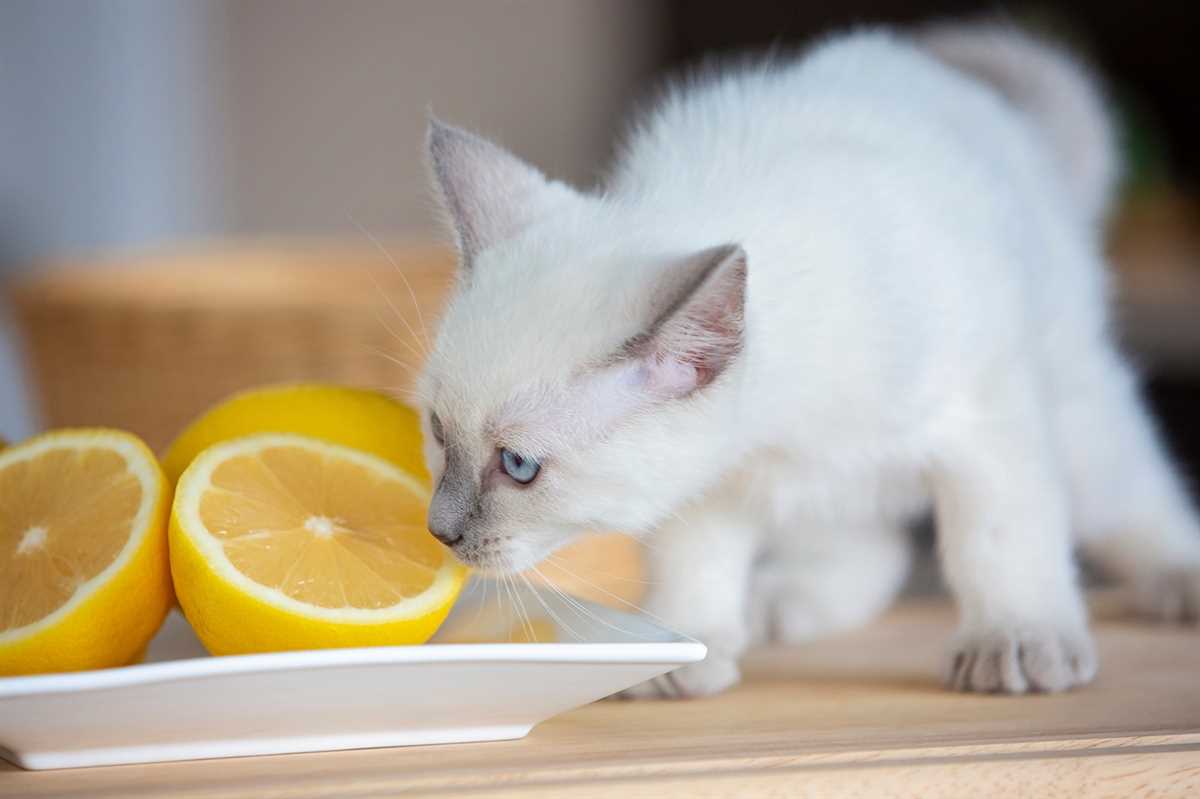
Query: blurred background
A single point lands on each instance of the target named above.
(189, 189)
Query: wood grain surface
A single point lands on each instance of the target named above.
(859, 715)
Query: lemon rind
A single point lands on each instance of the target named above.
(140, 462)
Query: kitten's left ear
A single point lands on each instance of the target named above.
(703, 327)
(489, 193)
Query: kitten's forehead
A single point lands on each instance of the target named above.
(533, 316)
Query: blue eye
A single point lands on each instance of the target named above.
(518, 467)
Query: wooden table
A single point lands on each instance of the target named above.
(858, 715)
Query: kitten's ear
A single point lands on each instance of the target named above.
(488, 192)
(702, 328)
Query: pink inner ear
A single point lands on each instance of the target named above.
(668, 376)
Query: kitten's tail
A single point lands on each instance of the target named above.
(1049, 85)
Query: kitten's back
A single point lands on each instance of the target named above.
(1053, 88)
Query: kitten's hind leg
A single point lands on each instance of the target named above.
(821, 578)
(699, 568)
(1129, 506)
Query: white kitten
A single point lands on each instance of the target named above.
(816, 299)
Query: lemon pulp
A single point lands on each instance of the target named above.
(286, 542)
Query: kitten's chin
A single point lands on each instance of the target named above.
(499, 564)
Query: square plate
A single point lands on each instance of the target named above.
(469, 684)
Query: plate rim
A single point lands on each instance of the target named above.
(677, 651)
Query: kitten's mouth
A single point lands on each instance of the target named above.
(480, 562)
(492, 562)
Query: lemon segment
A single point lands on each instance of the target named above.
(84, 579)
(282, 542)
(365, 420)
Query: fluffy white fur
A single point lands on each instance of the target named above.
(816, 300)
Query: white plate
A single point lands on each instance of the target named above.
(182, 704)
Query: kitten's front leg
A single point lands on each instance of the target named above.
(1005, 547)
(700, 580)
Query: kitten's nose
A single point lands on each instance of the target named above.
(447, 517)
(448, 536)
(451, 504)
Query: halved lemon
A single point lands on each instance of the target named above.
(285, 542)
(84, 581)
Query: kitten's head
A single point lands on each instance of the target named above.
(578, 375)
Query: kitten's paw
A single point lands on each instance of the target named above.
(1021, 661)
(1171, 596)
(708, 677)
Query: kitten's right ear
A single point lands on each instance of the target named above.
(702, 328)
(488, 192)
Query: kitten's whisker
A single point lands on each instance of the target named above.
(482, 603)
(412, 295)
(406, 342)
(679, 518)
(508, 625)
(387, 298)
(413, 397)
(406, 388)
(555, 560)
(587, 613)
(512, 604)
(580, 610)
(623, 601)
(410, 393)
(557, 620)
(526, 619)
(499, 603)
(407, 367)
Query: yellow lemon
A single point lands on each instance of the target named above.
(84, 580)
(365, 420)
(281, 541)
